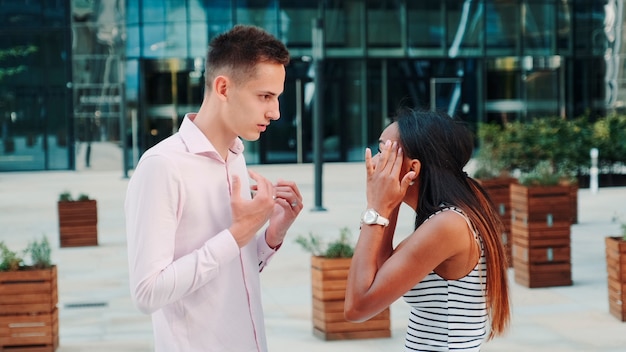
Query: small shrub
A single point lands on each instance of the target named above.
(83, 197)
(39, 252)
(9, 260)
(339, 248)
(66, 196)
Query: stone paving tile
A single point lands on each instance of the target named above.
(573, 318)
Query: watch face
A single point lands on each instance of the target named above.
(369, 217)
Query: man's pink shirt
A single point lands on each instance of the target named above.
(186, 269)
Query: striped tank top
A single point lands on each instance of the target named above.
(448, 315)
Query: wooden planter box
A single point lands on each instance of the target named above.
(573, 193)
(616, 272)
(29, 318)
(499, 190)
(328, 280)
(78, 223)
(540, 226)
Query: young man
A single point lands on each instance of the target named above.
(197, 239)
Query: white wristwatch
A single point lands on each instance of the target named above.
(371, 217)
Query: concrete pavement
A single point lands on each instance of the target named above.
(96, 313)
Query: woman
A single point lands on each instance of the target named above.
(452, 269)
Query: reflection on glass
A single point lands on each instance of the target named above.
(383, 20)
(425, 24)
(464, 26)
(503, 27)
(539, 28)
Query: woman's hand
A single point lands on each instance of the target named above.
(385, 190)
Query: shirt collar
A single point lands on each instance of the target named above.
(197, 142)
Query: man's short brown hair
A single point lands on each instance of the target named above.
(239, 50)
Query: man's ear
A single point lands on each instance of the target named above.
(220, 86)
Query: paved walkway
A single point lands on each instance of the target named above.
(96, 313)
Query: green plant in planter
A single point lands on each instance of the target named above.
(544, 175)
(37, 251)
(9, 260)
(545, 146)
(339, 248)
(489, 160)
(66, 196)
(609, 136)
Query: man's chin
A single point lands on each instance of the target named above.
(251, 137)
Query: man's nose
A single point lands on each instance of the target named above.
(274, 113)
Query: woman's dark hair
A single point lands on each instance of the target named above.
(444, 145)
(239, 50)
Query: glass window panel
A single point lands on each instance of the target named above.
(197, 12)
(503, 90)
(175, 10)
(619, 86)
(295, 22)
(344, 102)
(176, 39)
(464, 25)
(58, 141)
(132, 41)
(590, 88)
(383, 24)
(32, 100)
(564, 27)
(503, 27)
(426, 25)
(343, 22)
(198, 39)
(22, 130)
(54, 13)
(589, 27)
(612, 28)
(219, 17)
(154, 40)
(132, 12)
(153, 11)
(542, 93)
(262, 13)
(539, 24)
(21, 14)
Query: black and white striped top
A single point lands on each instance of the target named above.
(448, 315)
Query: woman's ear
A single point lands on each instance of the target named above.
(416, 166)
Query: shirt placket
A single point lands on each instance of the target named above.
(243, 269)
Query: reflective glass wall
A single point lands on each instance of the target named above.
(35, 85)
(131, 69)
(480, 60)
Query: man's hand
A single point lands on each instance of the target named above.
(249, 215)
(288, 206)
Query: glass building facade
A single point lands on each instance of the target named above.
(82, 74)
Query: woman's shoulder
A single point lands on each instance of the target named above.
(450, 217)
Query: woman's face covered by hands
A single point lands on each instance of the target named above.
(392, 135)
